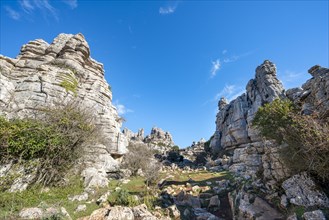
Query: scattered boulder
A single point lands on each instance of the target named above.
(81, 197)
(120, 213)
(141, 212)
(301, 190)
(81, 208)
(31, 213)
(173, 212)
(214, 203)
(314, 215)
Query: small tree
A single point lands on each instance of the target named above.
(138, 157)
(306, 136)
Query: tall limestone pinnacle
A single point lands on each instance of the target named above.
(34, 79)
(234, 118)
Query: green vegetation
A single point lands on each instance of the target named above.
(133, 193)
(140, 157)
(54, 141)
(69, 81)
(37, 196)
(306, 136)
(175, 148)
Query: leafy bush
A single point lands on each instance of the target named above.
(123, 197)
(138, 157)
(69, 81)
(306, 136)
(141, 157)
(55, 139)
(175, 148)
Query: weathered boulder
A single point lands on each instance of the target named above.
(314, 215)
(302, 190)
(120, 213)
(249, 206)
(142, 213)
(31, 213)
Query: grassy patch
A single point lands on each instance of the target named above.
(202, 177)
(12, 203)
(135, 186)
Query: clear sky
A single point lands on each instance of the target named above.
(169, 62)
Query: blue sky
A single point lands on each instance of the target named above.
(169, 62)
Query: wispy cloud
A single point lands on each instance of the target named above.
(28, 7)
(12, 13)
(72, 3)
(122, 110)
(169, 9)
(230, 92)
(46, 8)
(292, 79)
(218, 64)
(215, 67)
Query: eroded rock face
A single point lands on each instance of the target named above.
(33, 80)
(302, 190)
(233, 123)
(159, 136)
(234, 131)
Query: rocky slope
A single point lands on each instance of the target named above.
(34, 79)
(157, 140)
(258, 159)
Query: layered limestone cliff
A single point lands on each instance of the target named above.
(34, 79)
(259, 159)
(235, 134)
(158, 139)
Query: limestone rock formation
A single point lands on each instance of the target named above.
(34, 79)
(302, 190)
(259, 159)
(158, 136)
(131, 136)
(233, 123)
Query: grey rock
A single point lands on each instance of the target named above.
(202, 214)
(81, 197)
(292, 217)
(214, 203)
(31, 213)
(33, 80)
(158, 136)
(314, 215)
(120, 213)
(81, 208)
(250, 206)
(141, 212)
(302, 190)
(173, 212)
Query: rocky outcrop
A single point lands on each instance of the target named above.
(313, 96)
(158, 140)
(301, 190)
(258, 159)
(131, 136)
(235, 134)
(159, 137)
(34, 79)
(233, 123)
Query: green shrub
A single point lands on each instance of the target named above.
(175, 148)
(69, 81)
(55, 138)
(122, 197)
(306, 136)
(138, 157)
